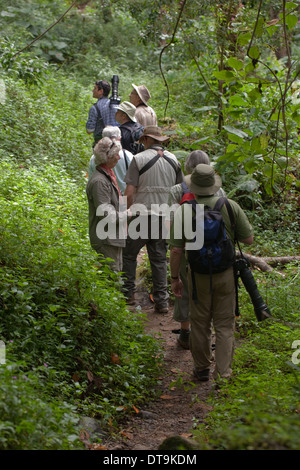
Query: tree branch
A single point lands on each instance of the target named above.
(45, 32)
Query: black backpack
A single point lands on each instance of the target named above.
(136, 131)
(218, 252)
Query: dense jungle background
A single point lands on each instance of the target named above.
(224, 78)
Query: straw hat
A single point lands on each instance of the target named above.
(143, 92)
(203, 181)
(129, 109)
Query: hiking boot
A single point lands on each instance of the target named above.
(161, 309)
(202, 375)
(184, 338)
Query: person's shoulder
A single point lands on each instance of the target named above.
(99, 176)
(233, 203)
(146, 153)
(171, 155)
(103, 102)
(127, 152)
(237, 209)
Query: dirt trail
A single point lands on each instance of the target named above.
(179, 405)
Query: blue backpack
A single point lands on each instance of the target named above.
(217, 253)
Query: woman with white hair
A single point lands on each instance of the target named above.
(121, 167)
(106, 217)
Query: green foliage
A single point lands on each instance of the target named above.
(38, 131)
(61, 310)
(257, 408)
(27, 67)
(28, 422)
(58, 306)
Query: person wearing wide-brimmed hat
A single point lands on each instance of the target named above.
(144, 114)
(149, 178)
(181, 312)
(131, 129)
(216, 306)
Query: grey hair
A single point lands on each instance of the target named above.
(194, 158)
(106, 149)
(113, 132)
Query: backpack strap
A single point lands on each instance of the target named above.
(149, 164)
(154, 160)
(233, 225)
(99, 116)
(172, 163)
(126, 160)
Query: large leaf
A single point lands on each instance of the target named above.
(244, 38)
(259, 28)
(237, 100)
(235, 63)
(226, 75)
(290, 20)
(254, 52)
(238, 132)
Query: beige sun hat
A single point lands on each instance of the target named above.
(203, 181)
(154, 132)
(143, 92)
(128, 108)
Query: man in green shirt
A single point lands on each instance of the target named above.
(216, 306)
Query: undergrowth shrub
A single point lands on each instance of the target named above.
(258, 407)
(29, 420)
(48, 127)
(61, 309)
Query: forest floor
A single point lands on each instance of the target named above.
(182, 401)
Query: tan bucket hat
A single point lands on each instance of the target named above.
(128, 108)
(203, 181)
(154, 132)
(143, 92)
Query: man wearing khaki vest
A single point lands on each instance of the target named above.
(149, 179)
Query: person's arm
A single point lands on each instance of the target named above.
(175, 261)
(244, 230)
(92, 120)
(248, 241)
(129, 193)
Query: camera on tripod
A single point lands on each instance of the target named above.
(241, 270)
(115, 100)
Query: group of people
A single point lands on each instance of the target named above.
(132, 176)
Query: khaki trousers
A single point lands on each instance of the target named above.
(217, 309)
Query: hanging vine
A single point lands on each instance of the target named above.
(183, 3)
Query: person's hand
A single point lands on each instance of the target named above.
(177, 287)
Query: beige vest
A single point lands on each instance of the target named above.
(155, 183)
